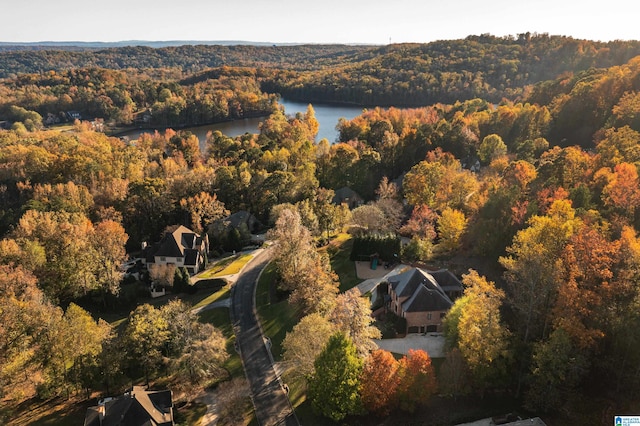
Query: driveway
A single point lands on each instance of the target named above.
(431, 343)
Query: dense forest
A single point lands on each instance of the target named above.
(524, 158)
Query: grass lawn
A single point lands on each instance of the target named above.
(276, 317)
(227, 266)
(219, 318)
(339, 250)
(190, 414)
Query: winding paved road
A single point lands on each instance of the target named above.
(270, 401)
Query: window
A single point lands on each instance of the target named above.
(163, 259)
(429, 316)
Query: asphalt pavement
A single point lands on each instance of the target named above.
(271, 403)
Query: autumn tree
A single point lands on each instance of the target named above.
(330, 216)
(440, 182)
(533, 266)
(204, 209)
(109, 241)
(69, 197)
(334, 388)
(379, 382)
(368, 219)
(352, 316)
(316, 287)
(589, 266)
(451, 226)
(70, 347)
(622, 189)
(293, 248)
(202, 358)
(68, 246)
(23, 311)
(421, 223)
(303, 344)
(304, 272)
(482, 337)
(417, 380)
(162, 274)
(83, 343)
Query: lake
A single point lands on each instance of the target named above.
(326, 114)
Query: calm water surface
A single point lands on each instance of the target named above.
(326, 114)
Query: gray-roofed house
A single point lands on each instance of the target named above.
(348, 196)
(138, 407)
(423, 298)
(182, 247)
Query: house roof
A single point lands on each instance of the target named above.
(425, 299)
(447, 280)
(345, 193)
(239, 218)
(423, 291)
(182, 242)
(138, 407)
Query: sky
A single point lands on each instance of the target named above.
(319, 21)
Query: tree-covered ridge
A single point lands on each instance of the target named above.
(188, 58)
(158, 97)
(488, 67)
(403, 74)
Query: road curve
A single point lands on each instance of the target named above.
(270, 401)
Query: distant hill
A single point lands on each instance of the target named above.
(411, 74)
(81, 45)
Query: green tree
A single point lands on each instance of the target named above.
(556, 370)
(492, 147)
(418, 250)
(146, 334)
(334, 388)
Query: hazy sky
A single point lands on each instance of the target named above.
(319, 21)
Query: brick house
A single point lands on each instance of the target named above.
(182, 247)
(423, 297)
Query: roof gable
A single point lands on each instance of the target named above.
(175, 244)
(425, 299)
(423, 290)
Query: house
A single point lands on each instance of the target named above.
(422, 297)
(138, 407)
(182, 247)
(348, 196)
(242, 221)
(74, 115)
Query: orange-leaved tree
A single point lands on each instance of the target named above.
(417, 380)
(379, 382)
